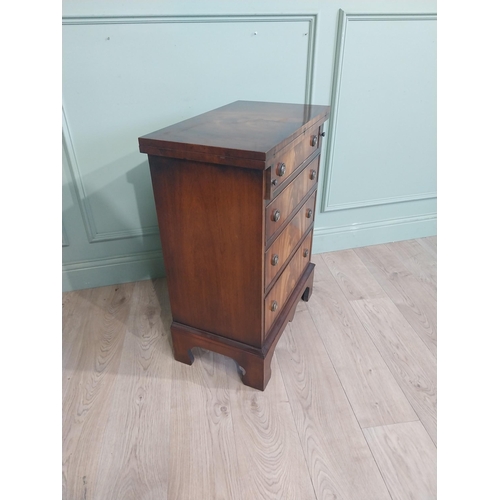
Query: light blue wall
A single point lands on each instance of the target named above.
(133, 67)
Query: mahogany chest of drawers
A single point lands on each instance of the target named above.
(235, 192)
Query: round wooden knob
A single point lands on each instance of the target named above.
(314, 140)
(276, 216)
(274, 260)
(306, 252)
(309, 213)
(281, 169)
(274, 306)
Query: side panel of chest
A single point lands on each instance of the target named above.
(210, 218)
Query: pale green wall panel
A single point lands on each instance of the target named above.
(132, 67)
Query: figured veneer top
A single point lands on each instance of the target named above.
(242, 130)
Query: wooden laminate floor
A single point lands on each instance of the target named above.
(349, 413)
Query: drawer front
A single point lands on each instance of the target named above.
(279, 210)
(286, 163)
(277, 297)
(283, 246)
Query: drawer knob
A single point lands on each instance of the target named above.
(274, 182)
(314, 141)
(274, 306)
(274, 260)
(313, 174)
(309, 213)
(281, 169)
(276, 216)
(306, 252)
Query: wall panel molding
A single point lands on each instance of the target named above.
(83, 200)
(382, 201)
(327, 204)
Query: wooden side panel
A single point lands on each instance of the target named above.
(210, 219)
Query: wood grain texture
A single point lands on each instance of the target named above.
(430, 244)
(286, 282)
(137, 424)
(406, 457)
(374, 394)
(419, 262)
(210, 220)
(270, 457)
(352, 276)
(321, 271)
(92, 375)
(288, 201)
(296, 153)
(203, 461)
(133, 460)
(410, 297)
(340, 463)
(287, 241)
(411, 363)
(242, 129)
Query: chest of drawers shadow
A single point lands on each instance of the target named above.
(235, 192)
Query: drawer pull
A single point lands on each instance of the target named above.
(314, 141)
(281, 169)
(309, 213)
(313, 174)
(276, 216)
(274, 306)
(274, 182)
(274, 260)
(306, 252)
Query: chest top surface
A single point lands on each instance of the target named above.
(243, 129)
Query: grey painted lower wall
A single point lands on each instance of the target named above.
(130, 68)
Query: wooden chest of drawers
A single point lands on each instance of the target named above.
(235, 192)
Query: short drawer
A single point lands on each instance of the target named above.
(277, 297)
(279, 252)
(288, 161)
(280, 209)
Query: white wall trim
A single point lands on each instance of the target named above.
(85, 207)
(327, 204)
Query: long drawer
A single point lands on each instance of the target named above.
(282, 289)
(281, 208)
(281, 249)
(288, 161)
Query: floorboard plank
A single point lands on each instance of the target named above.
(410, 297)
(270, 457)
(133, 461)
(430, 244)
(418, 261)
(321, 270)
(411, 363)
(340, 463)
(92, 372)
(352, 275)
(375, 396)
(406, 457)
(202, 449)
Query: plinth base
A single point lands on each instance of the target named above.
(255, 362)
